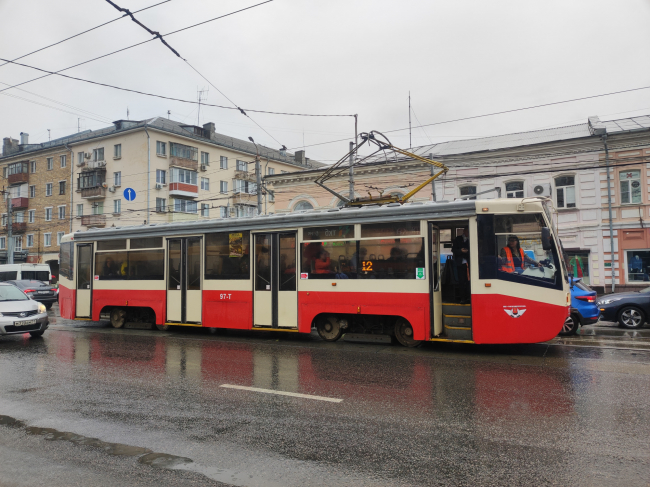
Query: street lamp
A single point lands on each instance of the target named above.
(259, 177)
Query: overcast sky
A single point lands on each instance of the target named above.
(457, 58)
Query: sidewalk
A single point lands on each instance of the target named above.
(608, 335)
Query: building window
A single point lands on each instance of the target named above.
(3, 243)
(565, 191)
(47, 239)
(630, 187)
(223, 162)
(245, 210)
(205, 184)
(242, 166)
(18, 244)
(4, 219)
(271, 171)
(185, 206)
(64, 161)
(637, 265)
(19, 217)
(469, 192)
(80, 209)
(61, 187)
(117, 206)
(183, 151)
(30, 240)
(48, 189)
(117, 151)
(61, 212)
(578, 265)
(91, 179)
(240, 186)
(223, 187)
(48, 214)
(205, 158)
(161, 176)
(183, 176)
(223, 212)
(98, 208)
(117, 178)
(515, 189)
(161, 148)
(59, 236)
(31, 216)
(303, 205)
(205, 209)
(32, 167)
(80, 158)
(32, 191)
(161, 205)
(50, 163)
(98, 154)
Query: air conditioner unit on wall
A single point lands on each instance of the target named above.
(543, 189)
(204, 167)
(159, 186)
(101, 163)
(112, 189)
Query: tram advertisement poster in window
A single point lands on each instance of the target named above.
(236, 244)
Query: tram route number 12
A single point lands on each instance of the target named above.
(225, 296)
(366, 265)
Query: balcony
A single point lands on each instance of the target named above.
(18, 178)
(246, 176)
(95, 164)
(17, 203)
(18, 227)
(183, 189)
(93, 220)
(94, 193)
(184, 163)
(244, 199)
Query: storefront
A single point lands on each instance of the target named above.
(578, 264)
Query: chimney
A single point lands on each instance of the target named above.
(208, 130)
(596, 127)
(9, 146)
(24, 138)
(300, 157)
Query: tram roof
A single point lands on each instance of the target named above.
(333, 216)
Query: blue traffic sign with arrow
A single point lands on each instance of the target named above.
(129, 194)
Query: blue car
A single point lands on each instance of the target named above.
(584, 310)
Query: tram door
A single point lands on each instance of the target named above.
(184, 295)
(84, 280)
(275, 297)
(434, 282)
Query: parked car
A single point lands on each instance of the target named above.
(38, 290)
(14, 272)
(583, 308)
(19, 313)
(630, 309)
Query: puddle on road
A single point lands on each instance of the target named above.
(145, 456)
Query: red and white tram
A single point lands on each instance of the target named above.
(380, 270)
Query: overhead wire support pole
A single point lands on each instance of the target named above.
(410, 141)
(351, 163)
(10, 235)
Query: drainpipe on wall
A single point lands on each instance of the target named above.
(71, 183)
(609, 207)
(148, 170)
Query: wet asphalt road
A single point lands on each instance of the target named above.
(89, 405)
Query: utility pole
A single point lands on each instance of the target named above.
(433, 183)
(609, 206)
(410, 143)
(10, 236)
(258, 171)
(351, 197)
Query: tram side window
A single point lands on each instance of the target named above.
(227, 255)
(510, 249)
(390, 258)
(141, 265)
(8, 276)
(112, 244)
(146, 243)
(66, 267)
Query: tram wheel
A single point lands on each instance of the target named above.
(329, 328)
(163, 327)
(118, 317)
(404, 333)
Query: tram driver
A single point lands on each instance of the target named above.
(513, 259)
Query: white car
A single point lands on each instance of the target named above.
(20, 314)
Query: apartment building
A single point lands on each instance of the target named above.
(155, 170)
(566, 164)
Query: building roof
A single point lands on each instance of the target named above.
(172, 127)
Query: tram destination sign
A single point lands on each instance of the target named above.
(328, 233)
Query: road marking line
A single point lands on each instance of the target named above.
(281, 393)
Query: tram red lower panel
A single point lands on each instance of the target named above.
(412, 306)
(228, 309)
(497, 318)
(67, 302)
(155, 300)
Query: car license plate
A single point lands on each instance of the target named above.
(24, 323)
(43, 292)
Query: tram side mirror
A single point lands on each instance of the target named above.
(571, 279)
(547, 242)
